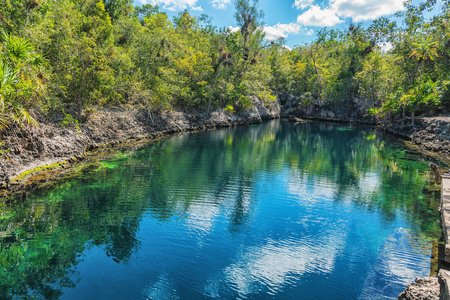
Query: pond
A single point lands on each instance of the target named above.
(271, 211)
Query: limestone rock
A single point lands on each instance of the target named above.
(444, 280)
(423, 289)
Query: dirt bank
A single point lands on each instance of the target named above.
(26, 151)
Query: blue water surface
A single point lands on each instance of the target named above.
(273, 211)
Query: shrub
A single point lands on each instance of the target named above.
(229, 109)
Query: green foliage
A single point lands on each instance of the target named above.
(118, 8)
(21, 80)
(114, 53)
(70, 121)
(229, 109)
(4, 151)
(244, 103)
(426, 50)
(424, 97)
(267, 98)
(306, 99)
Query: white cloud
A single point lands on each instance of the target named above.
(234, 29)
(315, 16)
(363, 10)
(197, 8)
(386, 46)
(302, 4)
(174, 5)
(336, 10)
(220, 4)
(281, 30)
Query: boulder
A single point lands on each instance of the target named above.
(422, 289)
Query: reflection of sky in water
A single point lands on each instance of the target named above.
(162, 289)
(306, 240)
(396, 264)
(241, 214)
(309, 237)
(276, 264)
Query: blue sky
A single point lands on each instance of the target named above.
(296, 20)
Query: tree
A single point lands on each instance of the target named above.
(79, 46)
(423, 51)
(117, 8)
(249, 18)
(16, 14)
(21, 80)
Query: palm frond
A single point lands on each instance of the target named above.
(3, 121)
(21, 115)
(19, 49)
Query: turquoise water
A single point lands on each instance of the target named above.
(272, 211)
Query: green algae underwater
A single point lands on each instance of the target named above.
(273, 211)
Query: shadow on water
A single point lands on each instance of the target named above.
(44, 237)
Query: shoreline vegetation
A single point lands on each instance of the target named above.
(68, 62)
(69, 57)
(75, 75)
(62, 62)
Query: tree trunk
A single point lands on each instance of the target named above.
(213, 87)
(404, 116)
(318, 74)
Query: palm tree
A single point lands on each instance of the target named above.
(423, 51)
(426, 50)
(21, 80)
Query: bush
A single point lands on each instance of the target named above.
(70, 121)
(423, 97)
(244, 103)
(229, 109)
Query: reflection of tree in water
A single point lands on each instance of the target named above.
(121, 241)
(242, 206)
(42, 236)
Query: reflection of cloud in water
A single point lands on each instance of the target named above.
(369, 183)
(276, 264)
(160, 290)
(201, 217)
(400, 260)
(212, 288)
(310, 192)
(315, 191)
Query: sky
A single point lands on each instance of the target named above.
(295, 20)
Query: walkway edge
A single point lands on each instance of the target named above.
(445, 214)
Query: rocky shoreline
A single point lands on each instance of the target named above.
(25, 152)
(430, 133)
